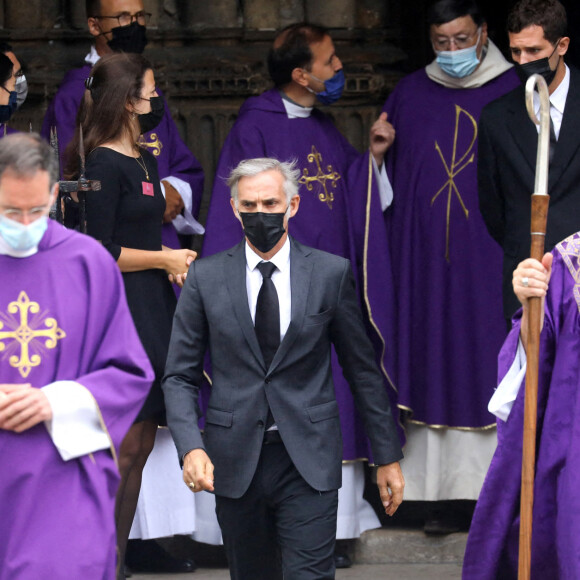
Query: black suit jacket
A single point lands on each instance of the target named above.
(213, 313)
(508, 142)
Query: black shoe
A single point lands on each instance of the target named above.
(441, 527)
(342, 560)
(149, 556)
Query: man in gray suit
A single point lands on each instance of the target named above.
(269, 310)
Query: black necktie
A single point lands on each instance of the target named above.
(268, 314)
(553, 141)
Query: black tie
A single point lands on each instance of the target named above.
(553, 140)
(268, 314)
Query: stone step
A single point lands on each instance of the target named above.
(407, 546)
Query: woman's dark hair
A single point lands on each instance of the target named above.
(443, 11)
(291, 49)
(548, 14)
(115, 81)
(6, 68)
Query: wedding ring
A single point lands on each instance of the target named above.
(191, 484)
(525, 281)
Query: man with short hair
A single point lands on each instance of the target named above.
(449, 327)
(73, 376)
(508, 140)
(120, 25)
(343, 196)
(268, 311)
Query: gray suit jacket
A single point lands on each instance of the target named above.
(213, 312)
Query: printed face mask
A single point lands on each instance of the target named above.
(263, 230)
(21, 88)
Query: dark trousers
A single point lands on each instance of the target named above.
(281, 527)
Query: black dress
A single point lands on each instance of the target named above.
(128, 212)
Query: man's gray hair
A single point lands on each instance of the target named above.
(26, 153)
(252, 167)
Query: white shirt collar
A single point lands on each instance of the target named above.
(558, 97)
(294, 110)
(281, 259)
(93, 57)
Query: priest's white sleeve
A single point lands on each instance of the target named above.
(75, 428)
(385, 187)
(186, 223)
(503, 399)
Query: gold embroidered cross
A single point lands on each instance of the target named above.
(454, 169)
(155, 144)
(25, 333)
(332, 176)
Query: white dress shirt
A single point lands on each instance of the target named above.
(557, 103)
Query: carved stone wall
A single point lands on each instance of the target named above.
(210, 56)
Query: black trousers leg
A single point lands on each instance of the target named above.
(280, 512)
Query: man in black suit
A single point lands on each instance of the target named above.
(508, 141)
(272, 430)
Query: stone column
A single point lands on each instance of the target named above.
(291, 11)
(215, 14)
(372, 13)
(77, 14)
(32, 14)
(261, 14)
(332, 14)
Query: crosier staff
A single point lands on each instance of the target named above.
(540, 203)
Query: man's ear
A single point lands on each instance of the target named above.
(563, 45)
(94, 26)
(300, 77)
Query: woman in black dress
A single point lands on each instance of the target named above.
(120, 104)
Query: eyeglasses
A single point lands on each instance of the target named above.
(126, 18)
(460, 41)
(18, 215)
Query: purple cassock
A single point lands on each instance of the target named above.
(172, 155)
(447, 270)
(63, 316)
(339, 212)
(492, 546)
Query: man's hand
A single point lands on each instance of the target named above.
(22, 407)
(391, 483)
(382, 137)
(198, 470)
(173, 203)
(531, 279)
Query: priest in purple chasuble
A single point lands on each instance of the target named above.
(492, 546)
(180, 172)
(73, 376)
(446, 268)
(339, 191)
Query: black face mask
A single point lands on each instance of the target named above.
(263, 230)
(540, 67)
(132, 38)
(149, 121)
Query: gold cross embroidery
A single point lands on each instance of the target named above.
(26, 333)
(155, 144)
(454, 169)
(332, 176)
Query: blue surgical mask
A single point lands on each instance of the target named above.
(333, 88)
(23, 237)
(6, 111)
(459, 63)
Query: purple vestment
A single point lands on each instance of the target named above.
(67, 304)
(339, 212)
(492, 547)
(172, 155)
(447, 270)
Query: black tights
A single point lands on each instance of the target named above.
(135, 450)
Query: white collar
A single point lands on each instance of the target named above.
(558, 97)
(294, 110)
(281, 259)
(93, 57)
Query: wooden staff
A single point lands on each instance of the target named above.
(540, 202)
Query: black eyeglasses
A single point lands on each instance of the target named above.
(126, 18)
